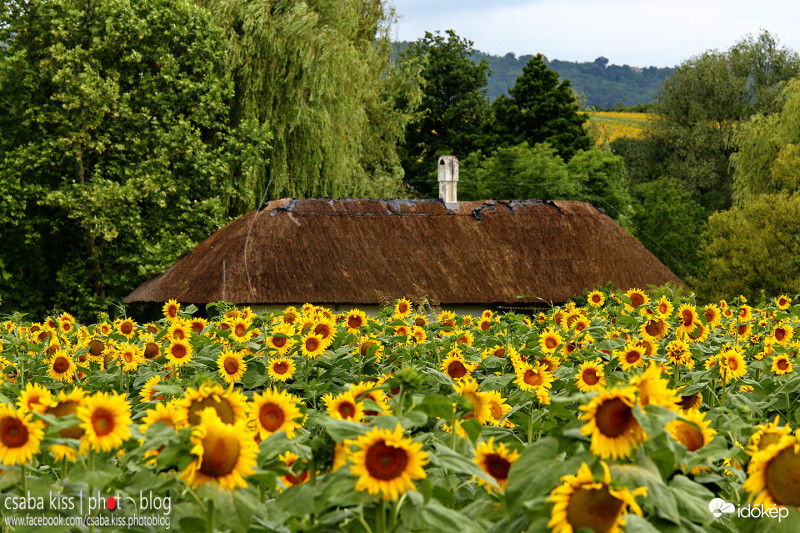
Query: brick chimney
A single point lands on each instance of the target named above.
(448, 180)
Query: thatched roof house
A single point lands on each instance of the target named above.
(358, 252)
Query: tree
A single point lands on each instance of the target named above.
(670, 224)
(452, 109)
(753, 249)
(319, 74)
(601, 176)
(116, 155)
(699, 107)
(540, 109)
(768, 156)
(517, 173)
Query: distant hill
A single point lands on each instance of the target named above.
(605, 86)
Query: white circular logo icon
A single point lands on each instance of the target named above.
(718, 507)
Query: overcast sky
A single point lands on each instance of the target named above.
(637, 33)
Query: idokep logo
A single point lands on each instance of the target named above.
(719, 508)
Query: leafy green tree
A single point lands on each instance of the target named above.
(699, 107)
(602, 179)
(754, 248)
(319, 74)
(116, 156)
(670, 224)
(452, 110)
(768, 156)
(517, 173)
(540, 109)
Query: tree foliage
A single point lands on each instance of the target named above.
(699, 107)
(540, 109)
(670, 224)
(768, 156)
(452, 110)
(754, 248)
(318, 73)
(116, 155)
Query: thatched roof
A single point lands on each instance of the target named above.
(357, 251)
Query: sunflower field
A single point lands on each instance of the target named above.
(630, 412)
(605, 126)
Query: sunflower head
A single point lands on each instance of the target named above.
(590, 376)
(275, 411)
(611, 424)
(20, 435)
(581, 502)
(773, 476)
(387, 463)
(231, 366)
(496, 460)
(106, 419)
(223, 453)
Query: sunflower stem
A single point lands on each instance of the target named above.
(363, 522)
(121, 377)
(24, 472)
(400, 399)
(210, 516)
(380, 517)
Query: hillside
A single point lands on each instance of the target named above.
(603, 85)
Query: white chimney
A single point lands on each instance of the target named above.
(448, 180)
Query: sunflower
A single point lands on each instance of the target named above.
(168, 413)
(498, 350)
(767, 435)
(590, 376)
(782, 333)
(447, 319)
(551, 362)
(275, 411)
(179, 352)
(549, 341)
(781, 364)
(35, 398)
(580, 502)
(773, 476)
(370, 345)
(664, 307)
(281, 369)
(20, 435)
(62, 367)
(533, 378)
(688, 402)
(485, 324)
(731, 364)
(496, 460)
(240, 330)
(312, 345)
(197, 325)
(230, 405)
(403, 308)
(693, 432)
(419, 320)
(296, 478)
(783, 302)
(126, 326)
(653, 389)
(611, 424)
(688, 317)
(386, 463)
(326, 329)
(654, 328)
(290, 315)
(106, 419)
(636, 297)
(66, 403)
(354, 320)
(712, 315)
(498, 408)
(231, 366)
(456, 367)
(224, 453)
(130, 356)
(147, 394)
(596, 299)
(632, 356)
(363, 390)
(281, 339)
(344, 406)
(418, 334)
(480, 410)
(171, 310)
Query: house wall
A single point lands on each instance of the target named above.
(371, 310)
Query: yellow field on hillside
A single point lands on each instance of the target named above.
(605, 126)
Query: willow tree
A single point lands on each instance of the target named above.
(319, 74)
(116, 152)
